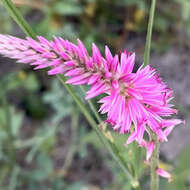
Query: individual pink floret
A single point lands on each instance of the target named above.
(164, 173)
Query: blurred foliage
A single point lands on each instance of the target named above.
(94, 21)
(32, 128)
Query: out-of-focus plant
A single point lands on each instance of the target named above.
(111, 147)
(155, 134)
(38, 147)
(10, 126)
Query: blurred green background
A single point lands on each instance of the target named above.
(45, 143)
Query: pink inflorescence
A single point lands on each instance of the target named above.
(135, 103)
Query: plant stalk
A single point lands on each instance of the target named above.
(149, 33)
(154, 164)
(155, 155)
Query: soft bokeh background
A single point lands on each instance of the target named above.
(49, 145)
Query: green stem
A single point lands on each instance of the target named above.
(110, 146)
(154, 164)
(149, 33)
(155, 155)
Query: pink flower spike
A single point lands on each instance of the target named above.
(164, 173)
(133, 102)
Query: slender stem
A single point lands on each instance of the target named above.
(154, 164)
(155, 155)
(149, 33)
(110, 146)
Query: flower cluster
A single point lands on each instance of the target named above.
(135, 103)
